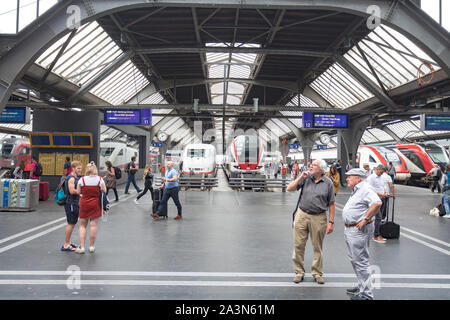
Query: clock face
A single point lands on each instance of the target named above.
(162, 136)
(325, 139)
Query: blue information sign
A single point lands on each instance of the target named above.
(325, 120)
(128, 116)
(14, 115)
(157, 144)
(322, 147)
(437, 122)
(294, 146)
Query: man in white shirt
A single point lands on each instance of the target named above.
(382, 184)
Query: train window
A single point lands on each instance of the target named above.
(106, 152)
(390, 155)
(414, 158)
(7, 149)
(371, 159)
(436, 154)
(196, 153)
(120, 152)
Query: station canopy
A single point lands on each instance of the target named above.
(225, 58)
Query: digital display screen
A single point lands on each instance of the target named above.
(437, 122)
(39, 140)
(81, 140)
(146, 117)
(61, 140)
(122, 116)
(13, 115)
(325, 120)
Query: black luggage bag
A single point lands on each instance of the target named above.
(390, 229)
(157, 197)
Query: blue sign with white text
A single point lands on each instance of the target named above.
(325, 120)
(157, 144)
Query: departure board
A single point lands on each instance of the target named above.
(435, 122)
(14, 115)
(325, 120)
(128, 116)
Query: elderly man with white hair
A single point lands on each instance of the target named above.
(358, 214)
(310, 217)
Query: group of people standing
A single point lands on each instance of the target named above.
(361, 215)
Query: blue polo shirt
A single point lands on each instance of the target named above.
(169, 175)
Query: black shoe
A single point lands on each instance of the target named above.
(359, 296)
(126, 193)
(353, 291)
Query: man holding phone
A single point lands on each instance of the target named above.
(310, 217)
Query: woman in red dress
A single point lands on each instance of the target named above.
(90, 211)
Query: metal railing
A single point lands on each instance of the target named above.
(259, 183)
(192, 182)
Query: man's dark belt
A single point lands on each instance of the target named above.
(355, 224)
(313, 213)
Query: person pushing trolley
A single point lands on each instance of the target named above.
(357, 216)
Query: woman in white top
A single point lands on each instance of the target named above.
(89, 187)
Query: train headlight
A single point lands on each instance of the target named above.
(12, 162)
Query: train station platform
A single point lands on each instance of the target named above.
(229, 245)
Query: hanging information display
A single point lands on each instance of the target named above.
(325, 120)
(437, 122)
(128, 116)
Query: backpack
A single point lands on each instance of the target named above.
(62, 193)
(441, 209)
(38, 171)
(117, 172)
(127, 169)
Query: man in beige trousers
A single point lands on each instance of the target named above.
(310, 217)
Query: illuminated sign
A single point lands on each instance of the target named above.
(325, 120)
(15, 115)
(128, 116)
(435, 122)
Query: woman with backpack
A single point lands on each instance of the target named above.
(148, 184)
(110, 178)
(89, 188)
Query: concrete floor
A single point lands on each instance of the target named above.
(229, 245)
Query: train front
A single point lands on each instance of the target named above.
(246, 156)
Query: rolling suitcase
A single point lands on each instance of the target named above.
(157, 196)
(390, 229)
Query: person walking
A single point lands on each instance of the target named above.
(310, 218)
(170, 191)
(334, 177)
(148, 183)
(295, 170)
(367, 169)
(131, 171)
(436, 173)
(357, 215)
(338, 165)
(349, 166)
(72, 205)
(380, 182)
(89, 188)
(111, 181)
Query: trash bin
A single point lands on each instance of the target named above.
(19, 194)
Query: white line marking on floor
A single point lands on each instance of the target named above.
(215, 274)
(220, 283)
(427, 237)
(429, 245)
(30, 230)
(28, 239)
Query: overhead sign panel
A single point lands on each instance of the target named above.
(325, 120)
(128, 116)
(15, 115)
(435, 122)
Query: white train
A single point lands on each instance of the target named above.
(199, 159)
(245, 155)
(118, 153)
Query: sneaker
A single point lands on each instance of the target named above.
(353, 291)
(378, 239)
(298, 278)
(319, 279)
(91, 249)
(79, 250)
(136, 201)
(359, 296)
(447, 216)
(126, 193)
